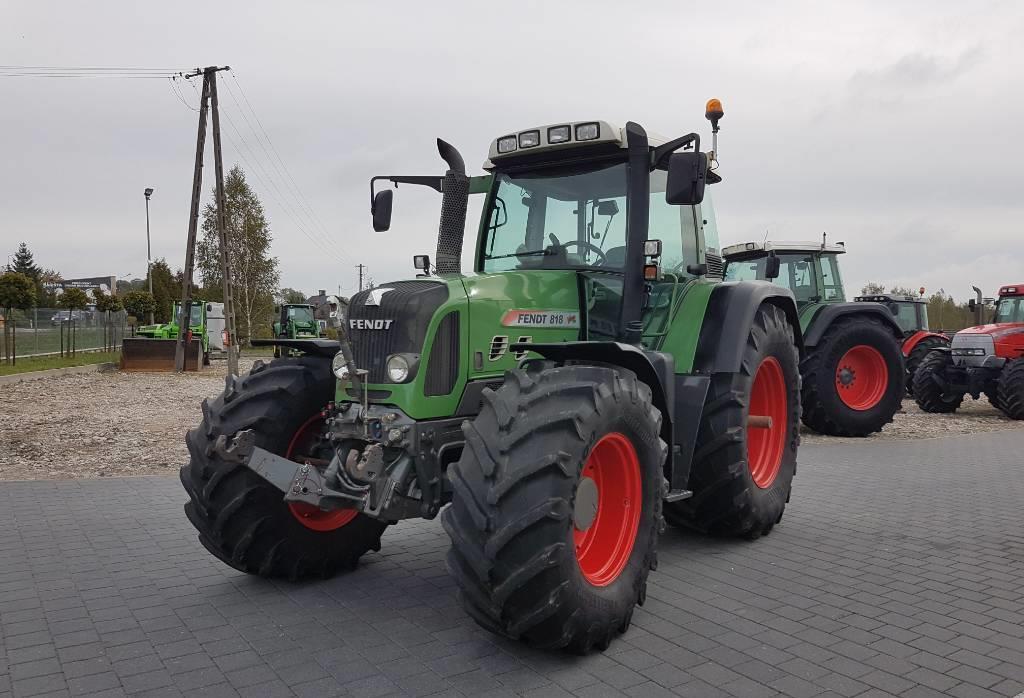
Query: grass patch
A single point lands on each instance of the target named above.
(44, 363)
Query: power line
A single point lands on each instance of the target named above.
(295, 192)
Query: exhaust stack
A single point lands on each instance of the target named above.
(454, 201)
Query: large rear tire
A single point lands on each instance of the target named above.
(853, 378)
(741, 475)
(1011, 389)
(928, 394)
(557, 505)
(917, 355)
(241, 518)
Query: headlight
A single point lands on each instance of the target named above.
(507, 144)
(529, 139)
(587, 132)
(339, 366)
(558, 134)
(970, 351)
(399, 368)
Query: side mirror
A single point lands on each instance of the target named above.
(687, 174)
(209, 308)
(421, 262)
(381, 210)
(972, 305)
(772, 265)
(607, 208)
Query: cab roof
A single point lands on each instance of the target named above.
(1012, 290)
(547, 138)
(889, 298)
(757, 249)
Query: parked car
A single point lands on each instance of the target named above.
(77, 315)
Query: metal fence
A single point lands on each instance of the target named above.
(56, 332)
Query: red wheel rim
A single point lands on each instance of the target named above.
(306, 514)
(862, 377)
(604, 547)
(765, 445)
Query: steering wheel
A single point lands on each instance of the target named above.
(585, 244)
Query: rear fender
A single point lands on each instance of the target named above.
(313, 347)
(834, 311)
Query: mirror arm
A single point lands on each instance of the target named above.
(434, 182)
(661, 153)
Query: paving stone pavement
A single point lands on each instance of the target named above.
(896, 571)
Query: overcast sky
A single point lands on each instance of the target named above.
(893, 127)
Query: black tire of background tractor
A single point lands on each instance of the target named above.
(927, 393)
(1011, 389)
(725, 499)
(917, 355)
(823, 409)
(241, 518)
(206, 358)
(511, 520)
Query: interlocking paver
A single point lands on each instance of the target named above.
(888, 576)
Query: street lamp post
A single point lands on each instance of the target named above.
(149, 256)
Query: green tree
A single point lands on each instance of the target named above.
(254, 273)
(872, 289)
(139, 304)
(106, 304)
(290, 296)
(165, 291)
(73, 299)
(17, 291)
(24, 263)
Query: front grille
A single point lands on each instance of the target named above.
(409, 306)
(443, 364)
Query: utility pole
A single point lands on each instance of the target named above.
(209, 85)
(149, 251)
(225, 269)
(361, 267)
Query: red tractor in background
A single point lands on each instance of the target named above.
(911, 315)
(987, 358)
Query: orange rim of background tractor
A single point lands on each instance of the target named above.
(604, 548)
(862, 377)
(308, 515)
(766, 441)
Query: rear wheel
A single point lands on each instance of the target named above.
(1011, 389)
(917, 355)
(243, 519)
(853, 378)
(557, 505)
(743, 468)
(928, 393)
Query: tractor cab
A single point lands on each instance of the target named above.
(296, 321)
(809, 269)
(911, 313)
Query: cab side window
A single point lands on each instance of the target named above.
(832, 285)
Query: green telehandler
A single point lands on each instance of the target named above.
(852, 365)
(153, 347)
(589, 379)
(294, 321)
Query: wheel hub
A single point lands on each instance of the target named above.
(585, 511)
(846, 376)
(862, 377)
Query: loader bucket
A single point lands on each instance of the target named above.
(142, 354)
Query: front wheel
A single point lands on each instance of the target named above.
(242, 519)
(917, 354)
(1011, 389)
(557, 505)
(745, 457)
(928, 392)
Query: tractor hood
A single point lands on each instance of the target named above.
(996, 330)
(453, 329)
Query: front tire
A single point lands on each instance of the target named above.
(928, 394)
(853, 378)
(741, 475)
(1011, 389)
(917, 354)
(557, 505)
(241, 518)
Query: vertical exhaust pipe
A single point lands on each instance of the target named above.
(454, 201)
(979, 304)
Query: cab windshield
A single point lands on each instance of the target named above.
(301, 315)
(574, 217)
(195, 312)
(1009, 310)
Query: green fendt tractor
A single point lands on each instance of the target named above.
(587, 381)
(852, 365)
(294, 321)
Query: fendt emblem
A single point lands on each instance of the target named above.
(375, 296)
(370, 324)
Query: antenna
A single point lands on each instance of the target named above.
(824, 240)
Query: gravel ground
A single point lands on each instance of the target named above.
(107, 424)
